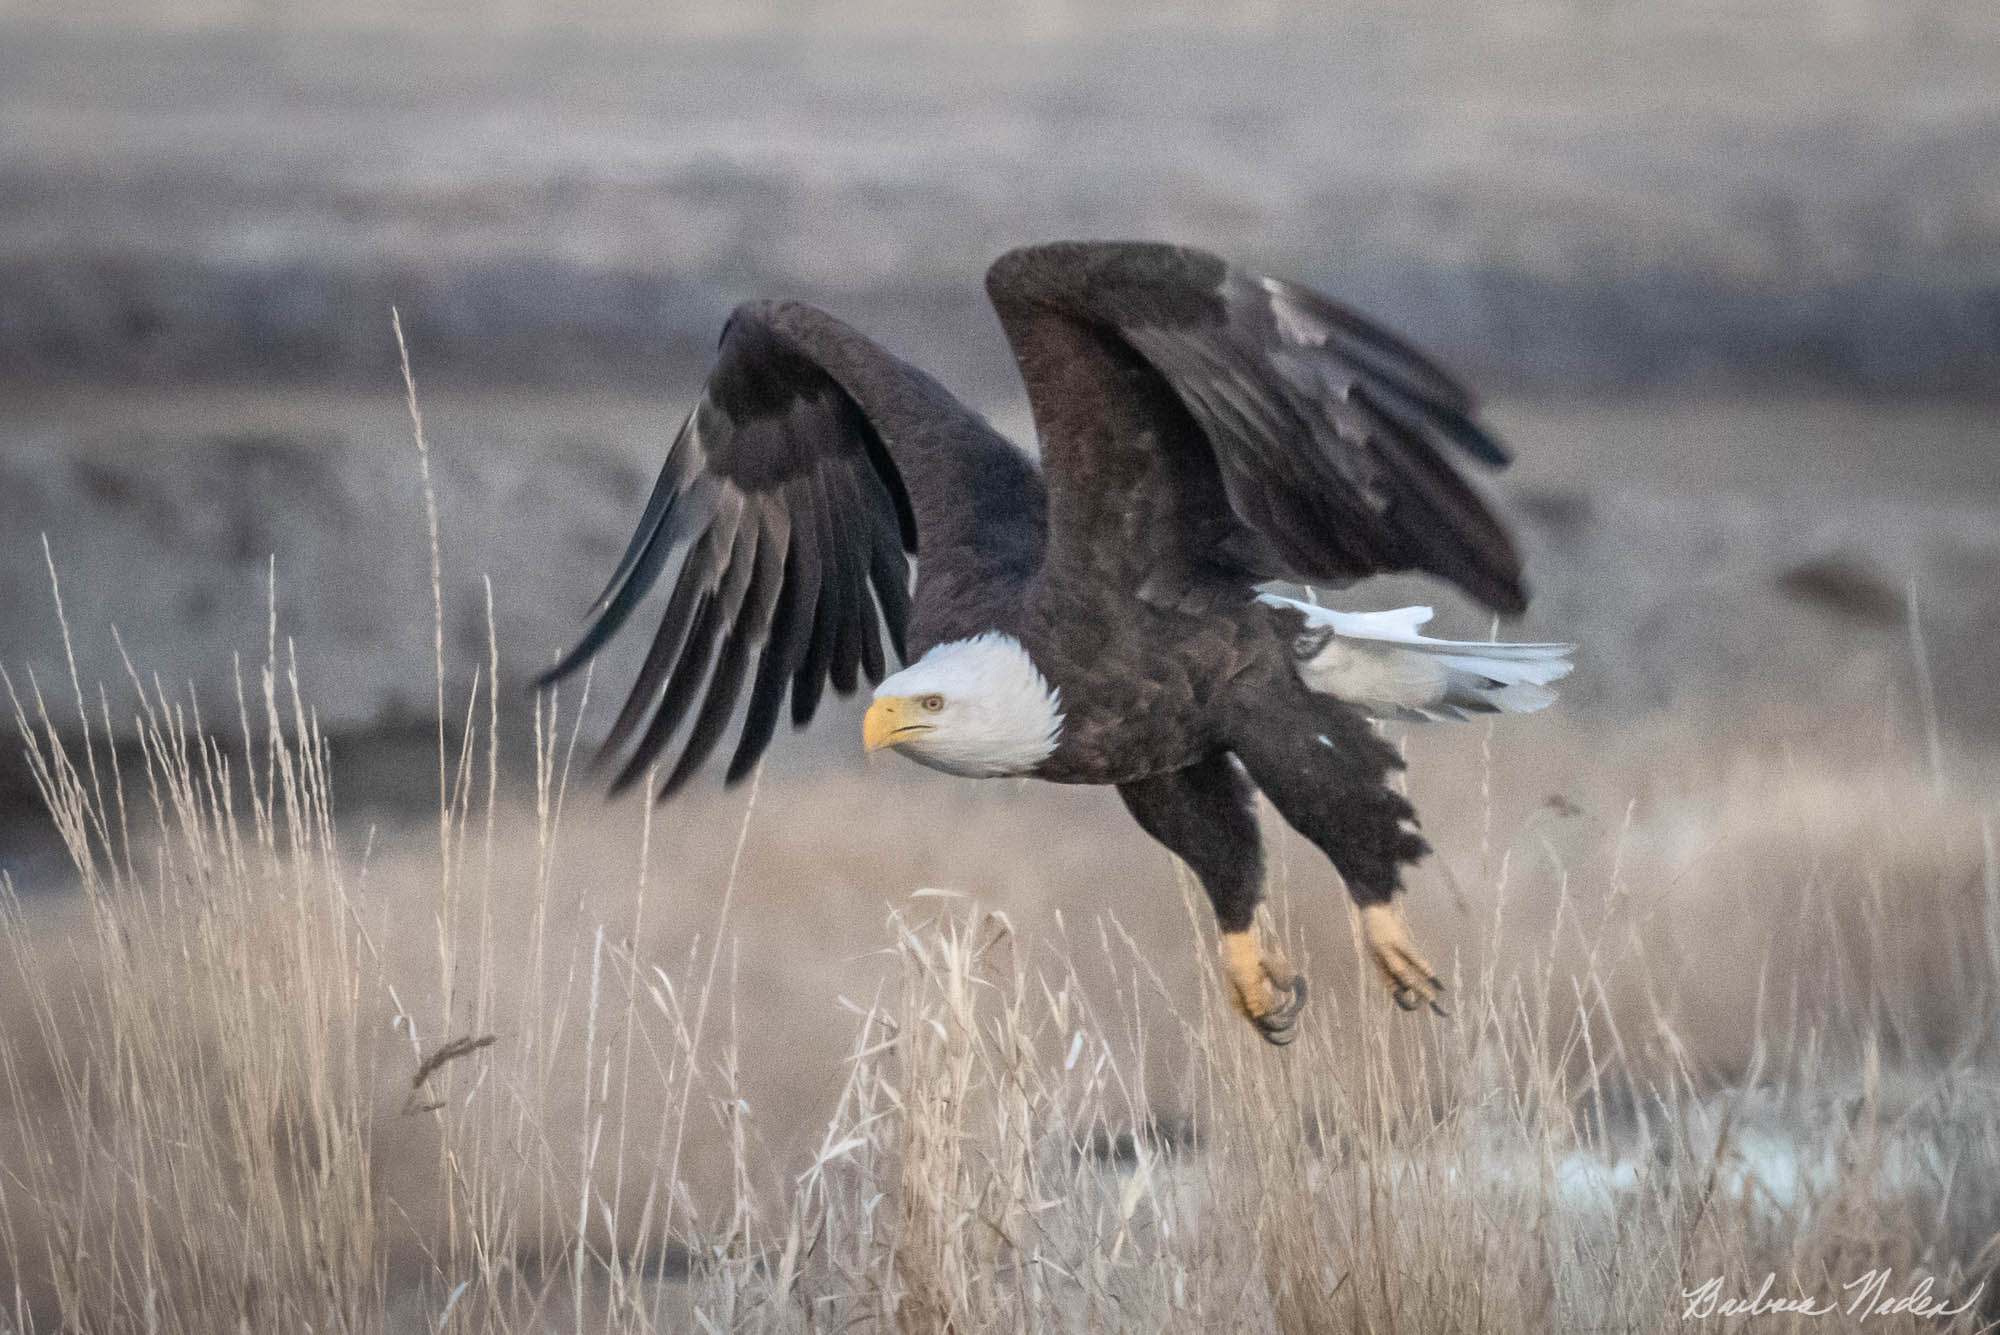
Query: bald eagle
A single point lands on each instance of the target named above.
(1102, 617)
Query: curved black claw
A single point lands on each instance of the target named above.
(1409, 998)
(1281, 1025)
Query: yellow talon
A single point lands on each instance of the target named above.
(1265, 987)
(1412, 981)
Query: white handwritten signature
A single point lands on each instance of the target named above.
(1868, 1296)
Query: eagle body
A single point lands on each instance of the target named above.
(1143, 694)
(1100, 615)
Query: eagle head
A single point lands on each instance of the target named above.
(978, 708)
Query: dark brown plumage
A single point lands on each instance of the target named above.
(1203, 430)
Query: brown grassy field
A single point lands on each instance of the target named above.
(888, 1052)
(1717, 1014)
(306, 1034)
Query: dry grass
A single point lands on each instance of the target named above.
(251, 1086)
(258, 1075)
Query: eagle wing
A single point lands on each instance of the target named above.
(806, 475)
(1204, 426)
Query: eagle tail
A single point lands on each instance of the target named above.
(1379, 662)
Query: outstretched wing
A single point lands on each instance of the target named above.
(789, 509)
(1204, 427)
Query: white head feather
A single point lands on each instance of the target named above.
(999, 714)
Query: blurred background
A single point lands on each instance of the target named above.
(1728, 275)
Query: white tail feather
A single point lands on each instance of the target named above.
(1378, 661)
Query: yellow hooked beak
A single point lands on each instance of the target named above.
(890, 720)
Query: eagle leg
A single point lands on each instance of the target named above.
(1412, 981)
(1327, 773)
(1206, 815)
(1268, 991)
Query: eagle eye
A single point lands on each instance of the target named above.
(933, 703)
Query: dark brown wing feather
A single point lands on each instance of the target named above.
(794, 494)
(775, 458)
(1212, 425)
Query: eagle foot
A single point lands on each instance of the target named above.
(1412, 981)
(1268, 991)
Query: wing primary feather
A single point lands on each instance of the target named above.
(844, 660)
(673, 475)
(885, 472)
(868, 631)
(720, 509)
(689, 669)
(746, 541)
(891, 577)
(875, 513)
(1377, 350)
(694, 510)
(884, 568)
(696, 578)
(1455, 536)
(759, 594)
(718, 612)
(784, 646)
(810, 679)
(1454, 427)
